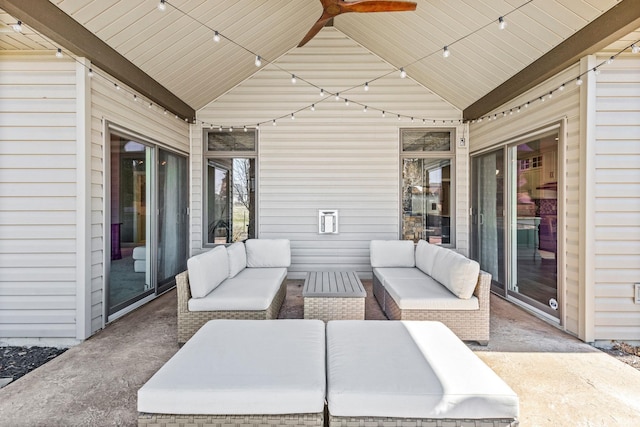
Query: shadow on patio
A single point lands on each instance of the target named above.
(560, 380)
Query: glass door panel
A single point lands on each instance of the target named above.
(130, 273)
(533, 218)
(172, 217)
(219, 229)
(488, 243)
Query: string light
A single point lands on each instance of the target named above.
(561, 88)
(161, 6)
(502, 24)
(293, 117)
(118, 88)
(230, 128)
(258, 61)
(610, 60)
(635, 48)
(337, 96)
(150, 104)
(445, 52)
(321, 92)
(364, 110)
(245, 129)
(579, 81)
(366, 86)
(313, 107)
(346, 102)
(383, 114)
(135, 97)
(17, 27)
(596, 70)
(90, 72)
(403, 73)
(293, 79)
(220, 128)
(216, 37)
(59, 53)
(274, 122)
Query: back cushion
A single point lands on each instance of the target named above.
(268, 253)
(457, 272)
(237, 258)
(207, 271)
(392, 253)
(426, 256)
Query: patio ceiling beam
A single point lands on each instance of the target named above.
(617, 22)
(49, 20)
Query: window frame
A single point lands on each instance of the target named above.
(210, 155)
(442, 155)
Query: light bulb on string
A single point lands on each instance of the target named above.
(293, 117)
(321, 92)
(216, 37)
(135, 97)
(162, 6)
(502, 24)
(578, 81)
(635, 48)
(446, 52)
(274, 122)
(293, 79)
(383, 114)
(399, 117)
(90, 72)
(366, 86)
(337, 97)
(561, 88)
(230, 128)
(346, 102)
(313, 107)
(17, 27)
(245, 128)
(258, 61)
(59, 53)
(550, 94)
(118, 87)
(403, 73)
(150, 105)
(220, 128)
(610, 60)
(364, 110)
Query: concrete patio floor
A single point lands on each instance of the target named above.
(560, 380)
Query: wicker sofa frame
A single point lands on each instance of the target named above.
(168, 420)
(190, 321)
(418, 422)
(468, 325)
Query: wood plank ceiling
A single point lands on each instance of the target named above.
(176, 49)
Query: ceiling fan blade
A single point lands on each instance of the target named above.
(378, 6)
(315, 29)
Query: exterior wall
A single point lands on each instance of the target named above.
(52, 195)
(336, 157)
(119, 108)
(616, 199)
(564, 105)
(38, 198)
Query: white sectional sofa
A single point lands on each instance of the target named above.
(429, 282)
(241, 281)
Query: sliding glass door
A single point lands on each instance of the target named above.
(172, 217)
(514, 220)
(148, 203)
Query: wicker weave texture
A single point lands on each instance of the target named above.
(190, 321)
(334, 308)
(468, 325)
(417, 422)
(169, 420)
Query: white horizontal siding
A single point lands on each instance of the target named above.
(37, 197)
(118, 107)
(336, 157)
(617, 199)
(563, 105)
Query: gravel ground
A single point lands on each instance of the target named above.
(18, 361)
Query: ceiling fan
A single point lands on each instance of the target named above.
(333, 8)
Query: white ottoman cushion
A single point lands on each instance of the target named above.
(240, 367)
(410, 370)
(207, 270)
(392, 253)
(268, 253)
(457, 272)
(237, 258)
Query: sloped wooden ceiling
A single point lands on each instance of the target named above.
(174, 49)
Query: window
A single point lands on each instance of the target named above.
(427, 165)
(230, 186)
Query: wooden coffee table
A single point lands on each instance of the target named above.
(333, 295)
